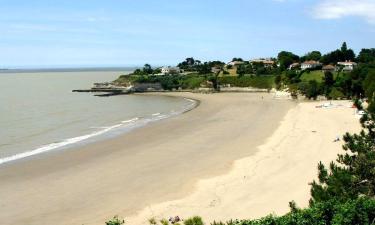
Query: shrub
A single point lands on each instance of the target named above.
(196, 220)
(115, 221)
(266, 82)
(192, 82)
(336, 94)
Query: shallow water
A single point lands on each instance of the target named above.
(39, 112)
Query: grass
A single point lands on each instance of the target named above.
(316, 75)
(266, 82)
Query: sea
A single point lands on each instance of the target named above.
(39, 113)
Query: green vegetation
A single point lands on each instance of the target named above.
(314, 55)
(366, 55)
(264, 82)
(334, 85)
(196, 220)
(316, 75)
(359, 211)
(286, 59)
(341, 84)
(312, 82)
(339, 55)
(194, 81)
(115, 221)
(168, 82)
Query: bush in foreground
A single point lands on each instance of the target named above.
(115, 221)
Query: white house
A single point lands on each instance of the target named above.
(235, 63)
(310, 65)
(348, 65)
(170, 70)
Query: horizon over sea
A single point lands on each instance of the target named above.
(40, 113)
(44, 69)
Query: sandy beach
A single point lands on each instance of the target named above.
(235, 156)
(276, 174)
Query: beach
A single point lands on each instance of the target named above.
(237, 155)
(279, 172)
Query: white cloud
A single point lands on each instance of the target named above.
(336, 9)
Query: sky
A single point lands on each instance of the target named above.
(97, 33)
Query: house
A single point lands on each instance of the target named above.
(235, 63)
(294, 66)
(170, 70)
(266, 62)
(329, 68)
(215, 69)
(347, 65)
(310, 65)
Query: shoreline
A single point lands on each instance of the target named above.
(148, 165)
(97, 136)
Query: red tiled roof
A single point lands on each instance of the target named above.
(311, 62)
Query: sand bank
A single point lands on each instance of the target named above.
(279, 172)
(157, 163)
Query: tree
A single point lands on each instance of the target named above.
(311, 90)
(344, 47)
(245, 68)
(286, 59)
(237, 59)
(147, 69)
(190, 61)
(366, 55)
(314, 55)
(241, 70)
(338, 55)
(139, 72)
(278, 81)
(189, 64)
(204, 68)
(335, 93)
(328, 81)
(369, 85)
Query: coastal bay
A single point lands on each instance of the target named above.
(157, 163)
(187, 113)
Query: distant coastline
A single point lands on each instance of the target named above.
(72, 69)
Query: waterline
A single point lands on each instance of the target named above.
(125, 126)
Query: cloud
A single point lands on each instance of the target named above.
(336, 9)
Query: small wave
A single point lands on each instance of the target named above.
(131, 120)
(70, 141)
(56, 145)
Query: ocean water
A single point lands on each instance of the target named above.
(40, 113)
